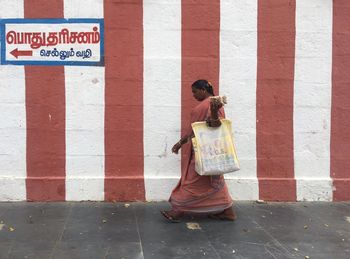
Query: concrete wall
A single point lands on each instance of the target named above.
(106, 132)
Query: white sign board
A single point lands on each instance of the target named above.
(52, 42)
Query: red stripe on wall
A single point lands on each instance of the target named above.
(124, 100)
(275, 80)
(200, 52)
(340, 115)
(45, 112)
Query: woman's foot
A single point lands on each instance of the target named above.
(172, 215)
(227, 214)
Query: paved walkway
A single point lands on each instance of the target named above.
(137, 230)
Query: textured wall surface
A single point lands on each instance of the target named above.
(105, 133)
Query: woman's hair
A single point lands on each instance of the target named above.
(204, 84)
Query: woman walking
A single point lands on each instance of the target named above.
(195, 193)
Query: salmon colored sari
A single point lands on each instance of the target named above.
(196, 193)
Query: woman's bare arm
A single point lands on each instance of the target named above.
(214, 120)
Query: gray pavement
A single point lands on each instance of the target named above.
(137, 230)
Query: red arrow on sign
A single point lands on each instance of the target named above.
(17, 52)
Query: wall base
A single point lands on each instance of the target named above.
(160, 188)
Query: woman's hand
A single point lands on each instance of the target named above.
(214, 123)
(214, 120)
(215, 105)
(176, 147)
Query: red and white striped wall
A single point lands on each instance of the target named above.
(105, 133)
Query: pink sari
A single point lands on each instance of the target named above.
(196, 193)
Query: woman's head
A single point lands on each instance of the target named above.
(202, 89)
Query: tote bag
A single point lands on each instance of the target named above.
(214, 149)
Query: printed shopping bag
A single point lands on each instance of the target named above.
(214, 149)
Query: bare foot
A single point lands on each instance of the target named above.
(227, 214)
(172, 215)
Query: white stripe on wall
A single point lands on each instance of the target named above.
(84, 118)
(83, 8)
(12, 120)
(238, 62)
(162, 96)
(312, 99)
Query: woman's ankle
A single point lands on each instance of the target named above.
(175, 213)
(230, 213)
